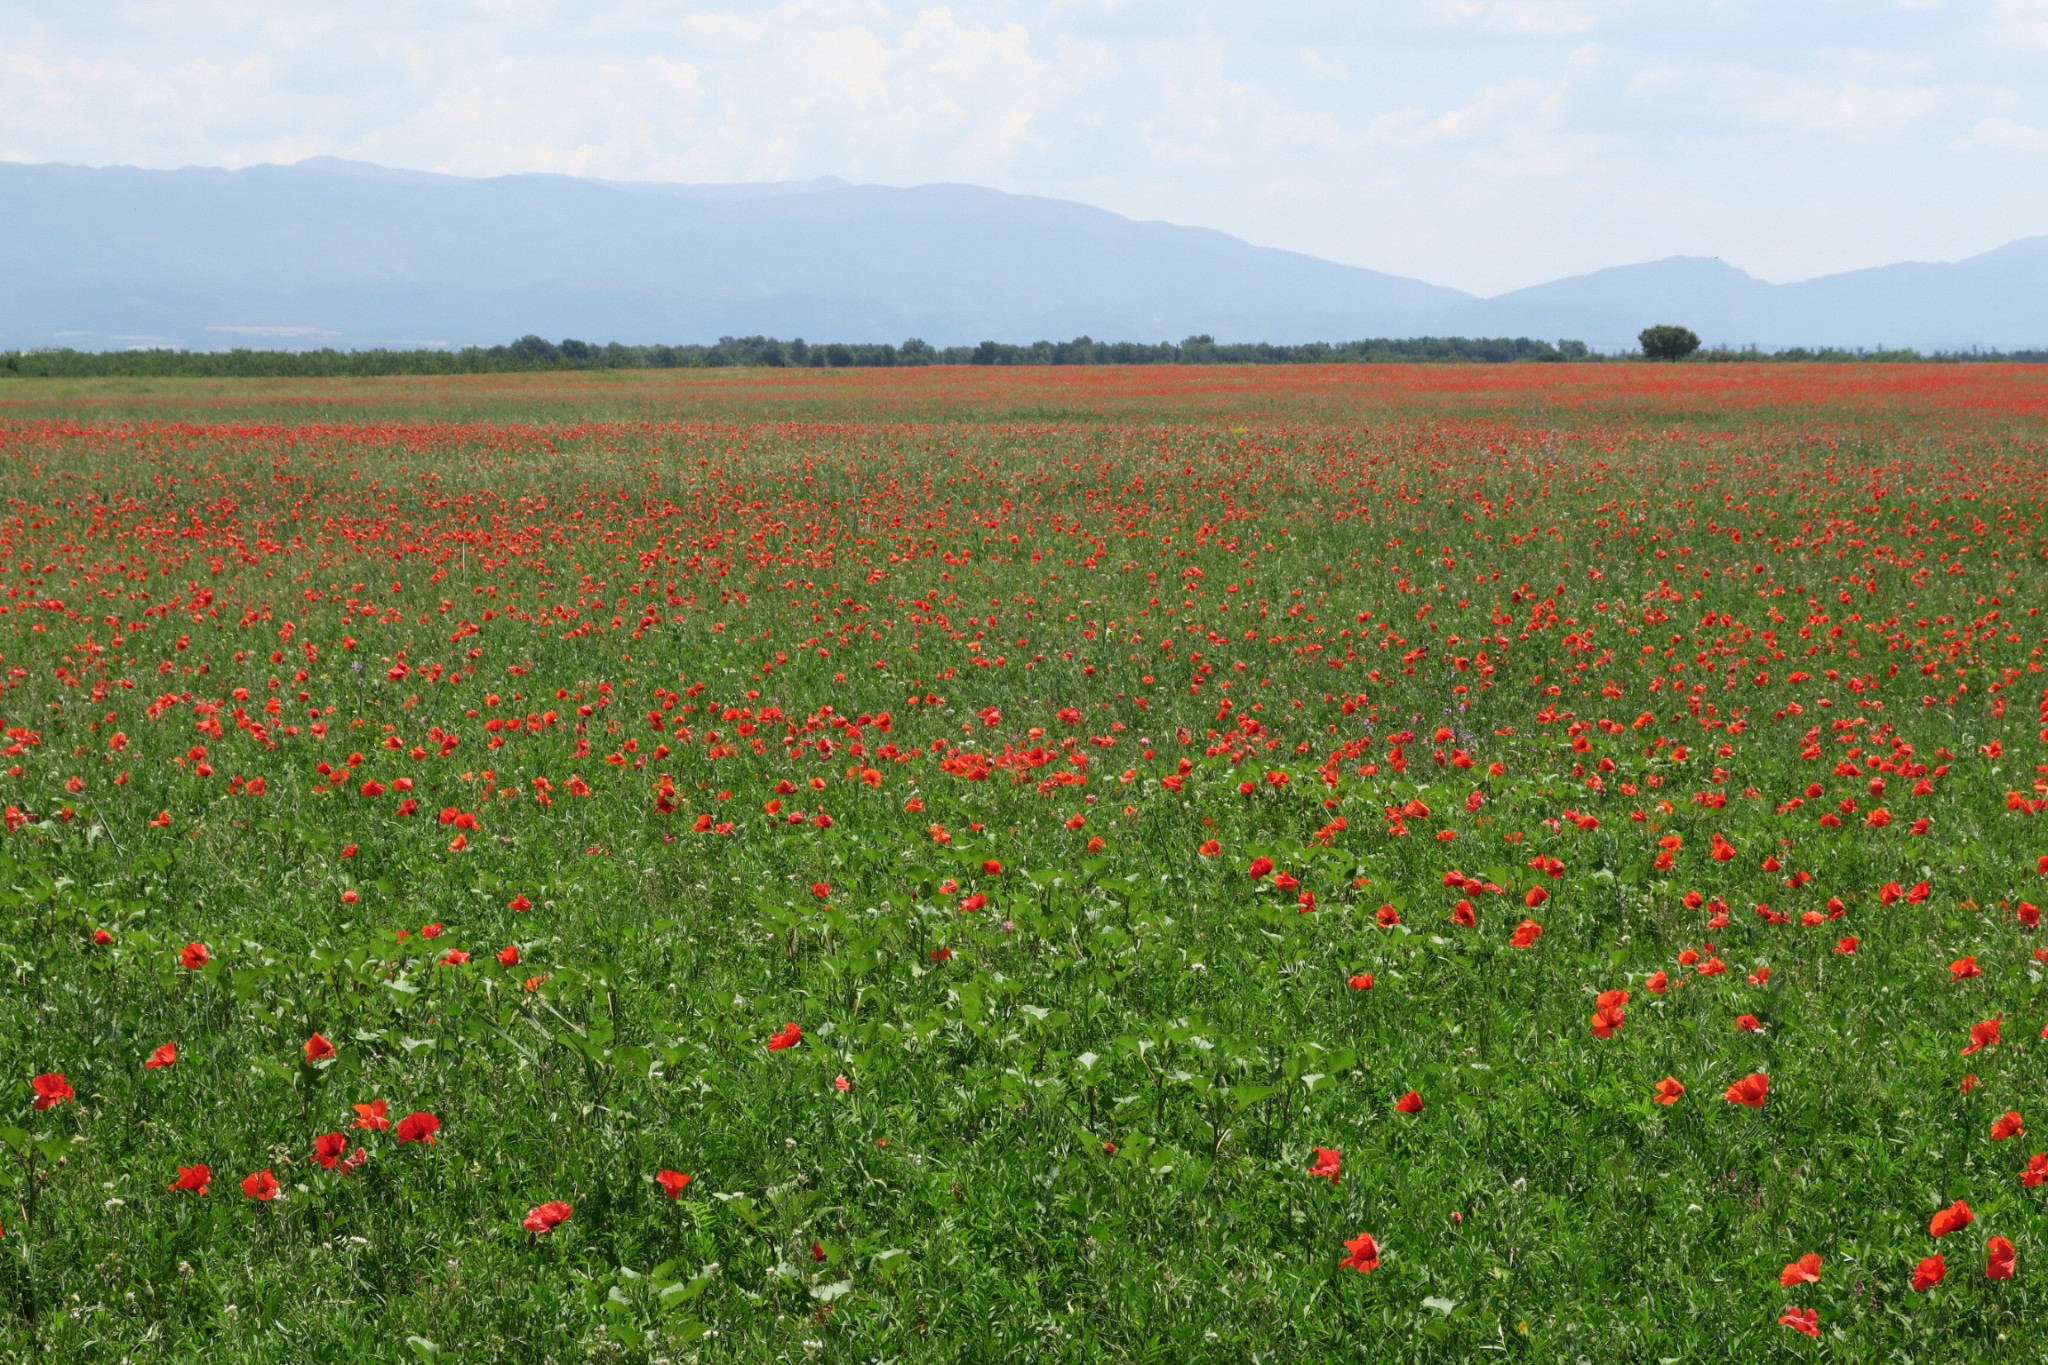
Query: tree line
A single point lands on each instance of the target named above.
(531, 353)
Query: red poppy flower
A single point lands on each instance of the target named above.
(454, 957)
(1657, 983)
(2007, 1125)
(52, 1089)
(194, 956)
(1607, 1021)
(1364, 1254)
(1535, 897)
(1526, 933)
(193, 1178)
(1387, 916)
(1748, 1023)
(419, 1127)
(519, 904)
(1998, 1259)
(788, 1036)
(261, 1186)
(841, 1084)
(821, 889)
(1847, 946)
(1929, 1273)
(1210, 848)
(1259, 868)
(1361, 982)
(1669, 1091)
(1410, 1103)
(372, 1116)
(1954, 1218)
(1328, 1159)
(545, 1218)
(509, 955)
(328, 1149)
(165, 1055)
(318, 1049)
(1751, 1090)
(1805, 1270)
(2037, 1170)
(1805, 1320)
(102, 937)
(1982, 1035)
(672, 1181)
(1964, 967)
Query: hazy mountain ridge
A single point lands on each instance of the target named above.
(330, 252)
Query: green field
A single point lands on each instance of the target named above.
(1129, 786)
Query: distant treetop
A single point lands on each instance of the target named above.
(1667, 342)
(537, 353)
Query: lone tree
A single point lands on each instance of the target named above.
(1665, 342)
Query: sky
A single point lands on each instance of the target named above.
(1483, 144)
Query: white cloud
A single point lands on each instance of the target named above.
(2003, 132)
(2024, 21)
(1846, 108)
(1548, 18)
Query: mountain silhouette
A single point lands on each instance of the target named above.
(332, 252)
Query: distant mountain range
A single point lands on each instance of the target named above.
(329, 252)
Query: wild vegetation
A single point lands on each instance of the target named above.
(532, 354)
(1170, 865)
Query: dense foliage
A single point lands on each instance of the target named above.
(1385, 867)
(1668, 342)
(534, 354)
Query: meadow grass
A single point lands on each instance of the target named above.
(1131, 786)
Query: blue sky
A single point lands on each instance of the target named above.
(1485, 144)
